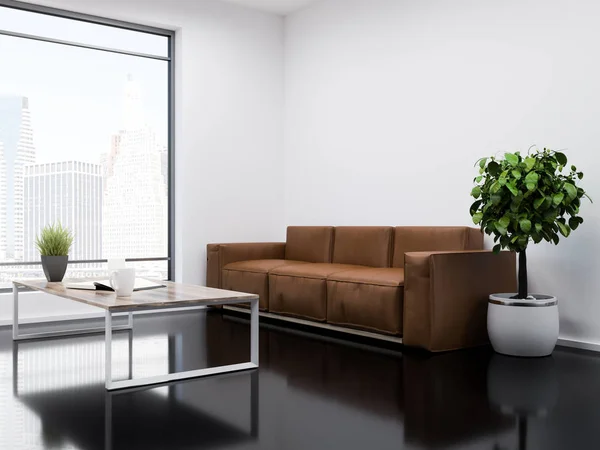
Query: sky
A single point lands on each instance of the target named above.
(76, 95)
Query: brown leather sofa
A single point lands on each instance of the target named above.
(428, 285)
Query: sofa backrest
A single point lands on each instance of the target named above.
(426, 239)
(368, 246)
(311, 244)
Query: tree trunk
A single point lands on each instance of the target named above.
(523, 290)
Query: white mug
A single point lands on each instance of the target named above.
(123, 281)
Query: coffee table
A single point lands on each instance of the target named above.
(173, 295)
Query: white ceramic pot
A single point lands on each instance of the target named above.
(523, 327)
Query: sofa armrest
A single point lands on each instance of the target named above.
(219, 255)
(446, 295)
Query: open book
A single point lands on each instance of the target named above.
(104, 285)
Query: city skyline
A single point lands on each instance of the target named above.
(135, 194)
(130, 219)
(68, 192)
(16, 135)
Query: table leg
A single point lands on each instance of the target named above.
(131, 354)
(166, 378)
(15, 328)
(254, 332)
(108, 348)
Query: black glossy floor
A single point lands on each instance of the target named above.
(309, 393)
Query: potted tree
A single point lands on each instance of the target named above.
(518, 200)
(53, 244)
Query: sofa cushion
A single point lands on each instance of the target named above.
(426, 239)
(372, 307)
(311, 244)
(301, 290)
(315, 270)
(378, 276)
(260, 265)
(252, 277)
(365, 246)
(298, 296)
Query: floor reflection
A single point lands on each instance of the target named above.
(310, 392)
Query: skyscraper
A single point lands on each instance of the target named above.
(135, 193)
(16, 133)
(69, 192)
(3, 180)
(164, 160)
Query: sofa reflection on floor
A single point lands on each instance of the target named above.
(441, 399)
(428, 285)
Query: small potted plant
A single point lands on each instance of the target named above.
(518, 200)
(53, 244)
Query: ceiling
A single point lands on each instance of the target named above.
(281, 7)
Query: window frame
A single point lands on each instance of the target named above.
(170, 59)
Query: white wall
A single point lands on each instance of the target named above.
(390, 102)
(229, 105)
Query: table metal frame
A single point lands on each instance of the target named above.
(108, 330)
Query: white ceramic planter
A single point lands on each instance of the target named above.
(523, 327)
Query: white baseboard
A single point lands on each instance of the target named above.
(89, 316)
(582, 345)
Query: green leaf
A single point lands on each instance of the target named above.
(529, 163)
(558, 198)
(477, 218)
(497, 248)
(525, 225)
(476, 192)
(500, 229)
(478, 179)
(493, 167)
(531, 186)
(495, 187)
(564, 229)
(555, 238)
(516, 173)
(561, 158)
(496, 199)
(571, 191)
(512, 188)
(475, 206)
(550, 214)
(573, 223)
(482, 162)
(532, 177)
(504, 221)
(511, 158)
(538, 227)
(538, 202)
(573, 169)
